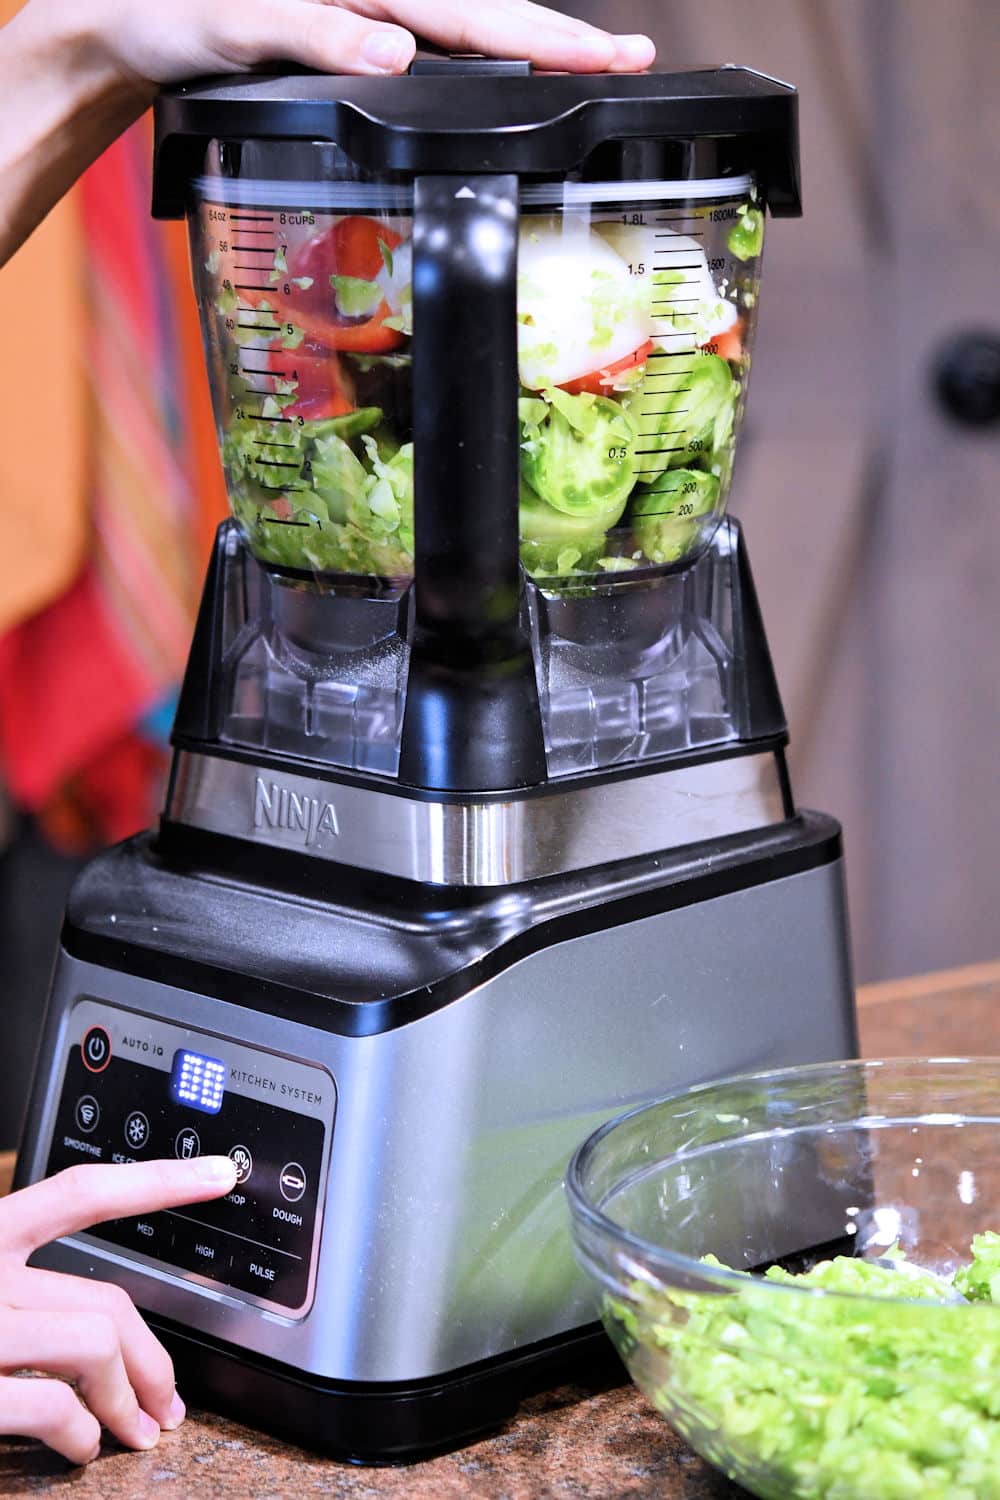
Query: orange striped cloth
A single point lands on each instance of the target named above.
(78, 676)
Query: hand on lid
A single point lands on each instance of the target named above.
(77, 75)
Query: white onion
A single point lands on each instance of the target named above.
(579, 307)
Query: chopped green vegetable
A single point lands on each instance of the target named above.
(980, 1281)
(578, 452)
(688, 423)
(356, 297)
(227, 302)
(390, 498)
(746, 238)
(339, 478)
(598, 304)
(669, 517)
(555, 543)
(352, 424)
(532, 411)
(315, 544)
(834, 1396)
(308, 500)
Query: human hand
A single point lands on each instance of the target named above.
(156, 42)
(88, 1331)
(78, 74)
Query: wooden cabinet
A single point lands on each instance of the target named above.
(873, 519)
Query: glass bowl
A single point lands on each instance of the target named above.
(885, 1387)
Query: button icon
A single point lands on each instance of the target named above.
(96, 1050)
(187, 1144)
(136, 1130)
(292, 1182)
(88, 1112)
(243, 1161)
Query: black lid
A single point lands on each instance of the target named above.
(468, 115)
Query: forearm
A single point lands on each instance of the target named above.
(61, 102)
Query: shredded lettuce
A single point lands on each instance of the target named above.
(668, 518)
(980, 1281)
(746, 238)
(830, 1397)
(319, 494)
(356, 297)
(308, 500)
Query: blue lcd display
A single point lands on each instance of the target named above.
(197, 1081)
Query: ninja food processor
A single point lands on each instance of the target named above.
(479, 828)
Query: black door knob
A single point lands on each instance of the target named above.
(967, 378)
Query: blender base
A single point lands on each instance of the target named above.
(426, 1284)
(382, 1424)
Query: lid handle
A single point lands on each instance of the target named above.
(472, 720)
(443, 64)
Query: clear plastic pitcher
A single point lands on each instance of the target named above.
(636, 303)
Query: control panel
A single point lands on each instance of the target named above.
(135, 1087)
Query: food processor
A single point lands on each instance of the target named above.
(479, 828)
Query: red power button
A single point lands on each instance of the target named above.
(95, 1049)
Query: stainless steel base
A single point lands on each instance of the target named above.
(470, 841)
(445, 1235)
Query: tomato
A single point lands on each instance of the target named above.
(351, 247)
(356, 338)
(323, 388)
(728, 345)
(600, 382)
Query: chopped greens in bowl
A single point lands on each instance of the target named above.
(782, 1262)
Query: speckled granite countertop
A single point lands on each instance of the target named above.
(575, 1443)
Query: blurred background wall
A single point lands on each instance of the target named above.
(873, 518)
(110, 491)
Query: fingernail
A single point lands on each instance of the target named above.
(389, 51)
(149, 1431)
(218, 1169)
(176, 1414)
